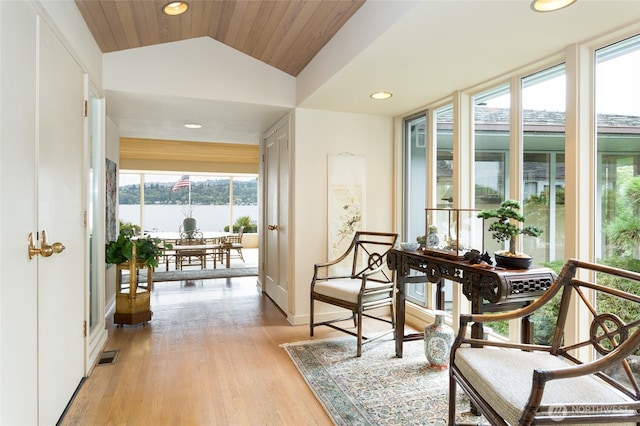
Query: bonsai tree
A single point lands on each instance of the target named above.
(121, 250)
(507, 227)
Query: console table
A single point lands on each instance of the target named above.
(490, 289)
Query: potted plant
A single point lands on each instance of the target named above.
(507, 227)
(121, 250)
(189, 223)
(133, 301)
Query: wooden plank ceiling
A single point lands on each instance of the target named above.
(285, 34)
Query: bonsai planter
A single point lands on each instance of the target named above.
(513, 262)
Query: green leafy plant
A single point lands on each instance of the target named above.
(121, 250)
(507, 226)
(249, 225)
(623, 231)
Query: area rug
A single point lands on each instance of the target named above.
(377, 388)
(198, 274)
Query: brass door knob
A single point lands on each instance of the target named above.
(45, 249)
(272, 227)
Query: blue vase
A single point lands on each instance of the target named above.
(438, 338)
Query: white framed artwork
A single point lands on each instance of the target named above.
(346, 200)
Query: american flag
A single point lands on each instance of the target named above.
(182, 183)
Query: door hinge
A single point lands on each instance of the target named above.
(84, 218)
(84, 329)
(86, 108)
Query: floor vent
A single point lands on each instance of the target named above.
(108, 357)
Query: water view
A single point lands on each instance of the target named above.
(168, 217)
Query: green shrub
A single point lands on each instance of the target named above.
(250, 226)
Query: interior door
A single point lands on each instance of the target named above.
(60, 214)
(276, 205)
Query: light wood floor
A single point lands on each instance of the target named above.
(209, 356)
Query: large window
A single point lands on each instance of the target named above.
(529, 157)
(216, 202)
(415, 162)
(617, 104)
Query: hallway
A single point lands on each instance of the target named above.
(209, 356)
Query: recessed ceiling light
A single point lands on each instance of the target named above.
(193, 126)
(381, 95)
(550, 5)
(175, 8)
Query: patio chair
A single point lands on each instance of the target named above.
(234, 243)
(368, 285)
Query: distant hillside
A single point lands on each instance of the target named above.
(210, 192)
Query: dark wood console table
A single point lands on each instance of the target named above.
(490, 289)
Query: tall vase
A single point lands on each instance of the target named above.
(438, 338)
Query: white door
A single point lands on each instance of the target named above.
(60, 214)
(276, 206)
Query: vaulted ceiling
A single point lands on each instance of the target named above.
(421, 50)
(285, 34)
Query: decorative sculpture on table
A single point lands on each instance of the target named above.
(452, 232)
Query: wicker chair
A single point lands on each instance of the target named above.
(522, 384)
(234, 242)
(369, 285)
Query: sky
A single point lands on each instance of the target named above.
(617, 89)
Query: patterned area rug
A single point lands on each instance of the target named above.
(377, 388)
(197, 274)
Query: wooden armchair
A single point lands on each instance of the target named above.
(525, 384)
(369, 284)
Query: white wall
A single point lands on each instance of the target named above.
(205, 69)
(317, 135)
(361, 30)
